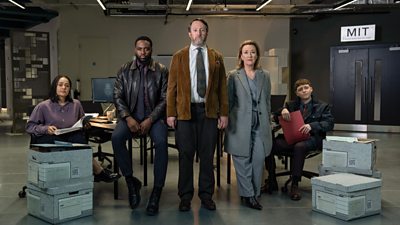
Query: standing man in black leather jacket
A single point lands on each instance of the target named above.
(140, 99)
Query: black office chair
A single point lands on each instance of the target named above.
(287, 160)
(97, 135)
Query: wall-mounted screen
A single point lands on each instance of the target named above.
(102, 89)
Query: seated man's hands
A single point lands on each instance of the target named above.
(305, 129)
(285, 114)
(133, 125)
(145, 126)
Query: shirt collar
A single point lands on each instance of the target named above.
(192, 47)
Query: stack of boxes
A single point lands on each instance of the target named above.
(349, 185)
(60, 182)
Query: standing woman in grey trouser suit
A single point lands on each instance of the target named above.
(248, 135)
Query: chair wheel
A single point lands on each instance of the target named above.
(22, 194)
(284, 189)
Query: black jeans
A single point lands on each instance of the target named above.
(158, 134)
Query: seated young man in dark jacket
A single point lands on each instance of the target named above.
(318, 120)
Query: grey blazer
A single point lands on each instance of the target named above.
(237, 134)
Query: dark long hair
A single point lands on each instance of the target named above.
(240, 63)
(53, 89)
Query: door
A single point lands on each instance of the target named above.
(349, 69)
(364, 84)
(384, 80)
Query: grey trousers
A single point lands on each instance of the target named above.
(249, 170)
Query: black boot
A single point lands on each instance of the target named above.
(152, 205)
(270, 185)
(252, 202)
(134, 186)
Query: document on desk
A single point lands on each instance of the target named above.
(77, 126)
(291, 128)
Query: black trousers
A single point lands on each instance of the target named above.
(197, 134)
(299, 152)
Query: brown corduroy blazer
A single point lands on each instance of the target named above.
(178, 92)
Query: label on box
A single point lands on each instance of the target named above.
(74, 206)
(332, 204)
(335, 158)
(56, 171)
(326, 202)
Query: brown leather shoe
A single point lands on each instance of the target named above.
(295, 194)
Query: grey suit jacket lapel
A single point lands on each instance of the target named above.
(243, 79)
(260, 81)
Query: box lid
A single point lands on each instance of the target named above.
(58, 147)
(346, 182)
(73, 187)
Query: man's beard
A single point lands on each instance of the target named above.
(145, 60)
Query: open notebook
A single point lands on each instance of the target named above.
(77, 126)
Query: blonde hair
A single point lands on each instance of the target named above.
(240, 61)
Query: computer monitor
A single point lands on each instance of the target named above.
(102, 89)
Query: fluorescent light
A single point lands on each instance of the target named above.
(345, 4)
(101, 5)
(17, 4)
(188, 5)
(263, 5)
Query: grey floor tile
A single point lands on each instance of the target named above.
(278, 208)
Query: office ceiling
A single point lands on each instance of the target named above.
(290, 8)
(15, 18)
(41, 11)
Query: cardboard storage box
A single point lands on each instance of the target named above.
(323, 171)
(52, 165)
(346, 196)
(60, 204)
(353, 157)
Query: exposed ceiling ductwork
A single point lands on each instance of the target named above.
(39, 11)
(243, 7)
(13, 17)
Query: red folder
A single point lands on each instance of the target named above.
(291, 128)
